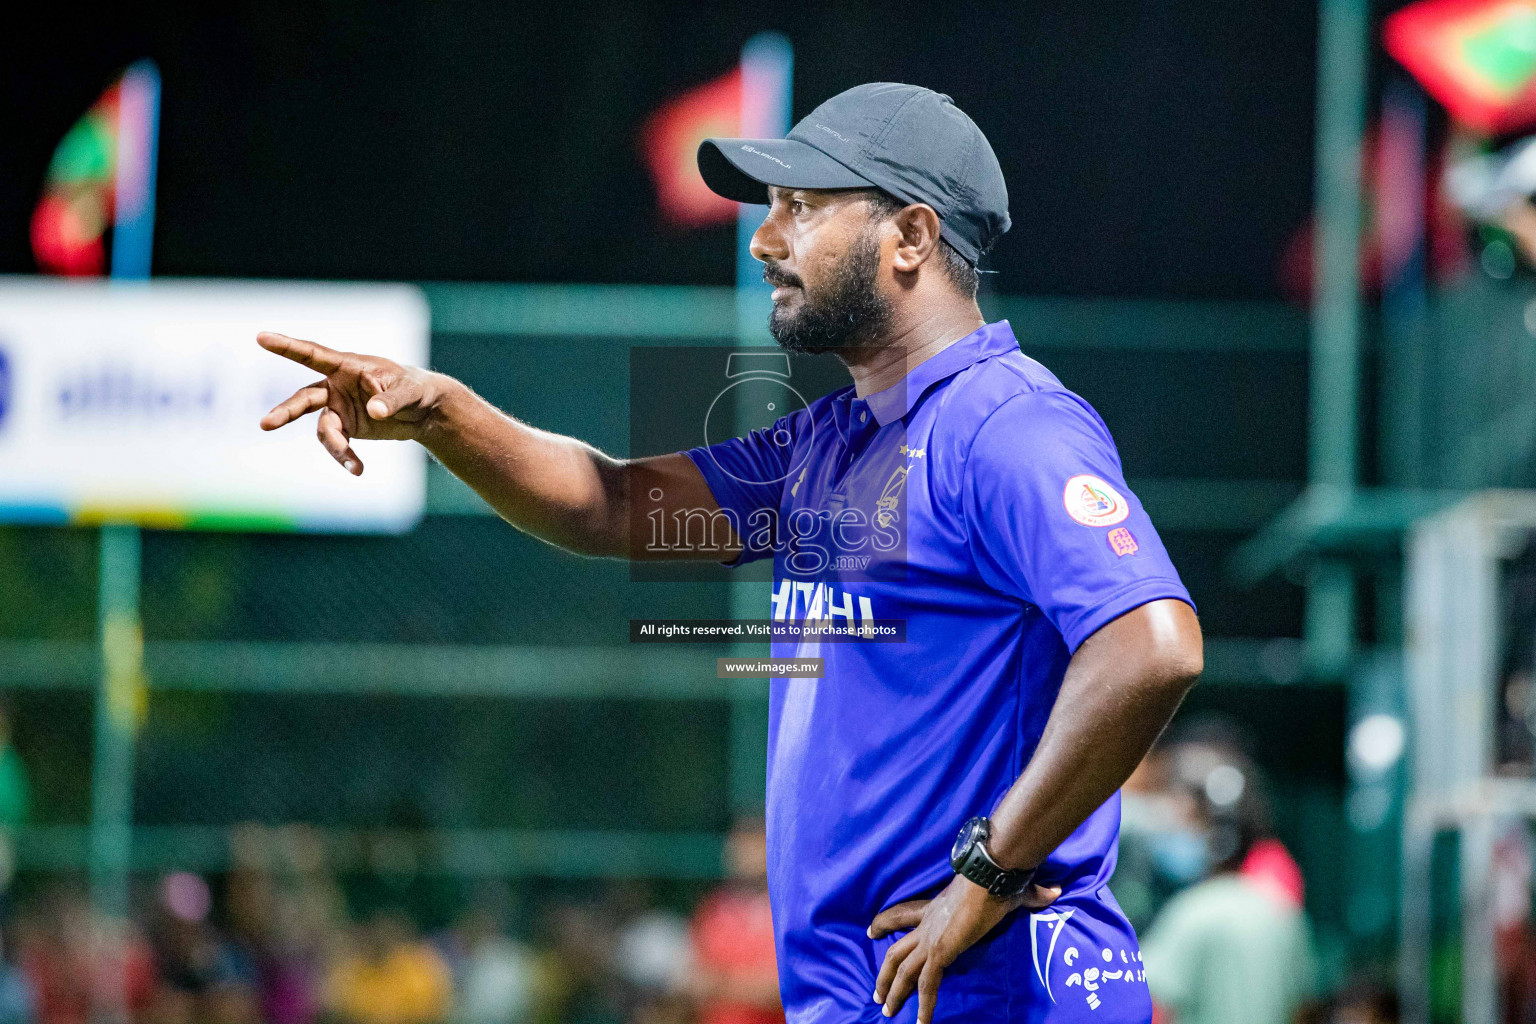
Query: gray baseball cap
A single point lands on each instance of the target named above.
(911, 142)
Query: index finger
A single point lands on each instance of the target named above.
(897, 918)
(316, 357)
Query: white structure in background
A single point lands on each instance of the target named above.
(139, 402)
(1459, 565)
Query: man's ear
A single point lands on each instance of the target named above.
(919, 228)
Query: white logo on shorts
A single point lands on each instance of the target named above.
(1093, 977)
(1059, 919)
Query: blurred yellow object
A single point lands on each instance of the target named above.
(409, 984)
(123, 649)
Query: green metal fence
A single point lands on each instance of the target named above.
(471, 687)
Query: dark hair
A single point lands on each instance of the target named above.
(960, 271)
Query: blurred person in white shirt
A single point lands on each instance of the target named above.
(493, 973)
(1234, 947)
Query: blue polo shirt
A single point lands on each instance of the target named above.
(982, 503)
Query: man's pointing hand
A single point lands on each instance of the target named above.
(358, 397)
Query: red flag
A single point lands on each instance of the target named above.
(1474, 56)
(670, 141)
(1391, 231)
(78, 199)
(101, 180)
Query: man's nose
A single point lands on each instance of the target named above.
(768, 242)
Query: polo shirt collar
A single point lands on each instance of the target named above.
(897, 400)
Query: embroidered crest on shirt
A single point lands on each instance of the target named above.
(885, 508)
(1092, 502)
(1121, 542)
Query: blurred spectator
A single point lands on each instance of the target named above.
(577, 982)
(204, 978)
(493, 975)
(68, 953)
(1141, 884)
(675, 1008)
(1514, 944)
(286, 909)
(1233, 946)
(18, 1003)
(15, 799)
(735, 979)
(1159, 856)
(653, 950)
(1354, 1005)
(15, 790)
(1496, 188)
(389, 977)
(1269, 863)
(653, 959)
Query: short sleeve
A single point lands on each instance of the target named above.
(746, 475)
(1051, 521)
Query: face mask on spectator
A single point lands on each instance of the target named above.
(1180, 855)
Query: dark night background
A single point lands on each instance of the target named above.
(1151, 149)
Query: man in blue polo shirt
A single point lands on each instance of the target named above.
(1048, 637)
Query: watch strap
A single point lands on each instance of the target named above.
(978, 866)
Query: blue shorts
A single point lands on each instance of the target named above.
(1075, 962)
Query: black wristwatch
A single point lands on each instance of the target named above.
(970, 859)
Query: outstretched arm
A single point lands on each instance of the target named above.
(560, 489)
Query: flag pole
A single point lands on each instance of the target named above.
(120, 691)
(767, 67)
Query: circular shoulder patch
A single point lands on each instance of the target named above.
(1093, 502)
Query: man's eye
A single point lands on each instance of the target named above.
(796, 207)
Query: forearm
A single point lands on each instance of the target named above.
(559, 489)
(1119, 693)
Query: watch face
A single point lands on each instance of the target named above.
(963, 841)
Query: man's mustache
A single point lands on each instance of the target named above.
(779, 278)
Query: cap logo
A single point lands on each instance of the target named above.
(832, 131)
(766, 156)
(1092, 502)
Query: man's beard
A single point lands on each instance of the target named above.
(847, 313)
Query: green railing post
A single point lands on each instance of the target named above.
(119, 703)
(1342, 54)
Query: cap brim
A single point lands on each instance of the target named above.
(742, 169)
